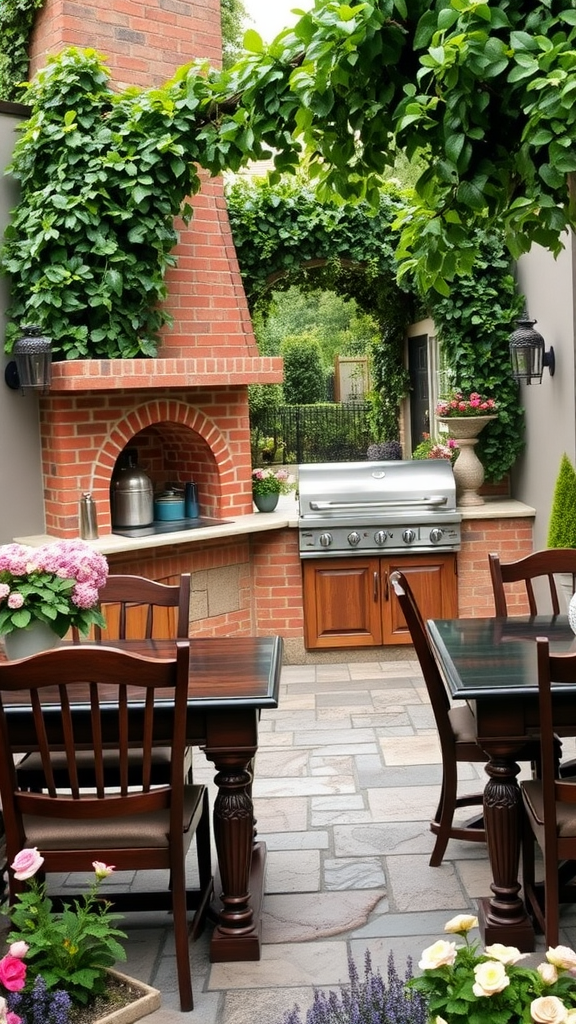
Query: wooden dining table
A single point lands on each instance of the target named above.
(491, 663)
(232, 679)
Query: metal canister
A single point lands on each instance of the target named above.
(131, 493)
(88, 520)
(191, 506)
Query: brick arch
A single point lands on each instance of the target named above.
(158, 411)
(219, 467)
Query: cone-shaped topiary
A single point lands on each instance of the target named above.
(562, 526)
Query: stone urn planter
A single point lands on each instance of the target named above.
(468, 470)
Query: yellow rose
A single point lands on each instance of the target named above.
(548, 973)
(562, 956)
(461, 923)
(441, 954)
(490, 977)
(505, 954)
(548, 1010)
(570, 1017)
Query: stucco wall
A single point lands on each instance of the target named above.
(21, 501)
(548, 285)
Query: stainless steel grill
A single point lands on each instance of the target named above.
(348, 508)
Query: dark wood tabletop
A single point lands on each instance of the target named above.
(483, 657)
(224, 671)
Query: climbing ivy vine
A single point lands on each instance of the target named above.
(284, 235)
(16, 21)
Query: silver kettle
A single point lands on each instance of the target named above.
(131, 493)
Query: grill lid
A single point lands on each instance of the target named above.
(361, 488)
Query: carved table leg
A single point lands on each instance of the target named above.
(241, 861)
(503, 917)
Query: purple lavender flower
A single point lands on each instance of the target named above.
(368, 1000)
(39, 1006)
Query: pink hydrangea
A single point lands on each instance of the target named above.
(15, 601)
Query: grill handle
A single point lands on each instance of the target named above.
(386, 588)
(375, 587)
(435, 501)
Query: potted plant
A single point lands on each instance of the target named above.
(58, 962)
(465, 416)
(47, 590)
(267, 486)
(562, 523)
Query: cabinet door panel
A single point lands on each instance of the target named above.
(342, 603)
(433, 581)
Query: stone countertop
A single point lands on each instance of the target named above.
(285, 517)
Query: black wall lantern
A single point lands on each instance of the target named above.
(528, 354)
(31, 369)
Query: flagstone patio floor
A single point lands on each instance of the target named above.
(347, 776)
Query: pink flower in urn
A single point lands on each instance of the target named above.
(15, 601)
(26, 863)
(457, 404)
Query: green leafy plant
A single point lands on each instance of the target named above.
(56, 583)
(466, 985)
(436, 448)
(562, 525)
(71, 949)
(16, 21)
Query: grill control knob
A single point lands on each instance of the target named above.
(325, 540)
(436, 535)
(354, 539)
(381, 537)
(409, 536)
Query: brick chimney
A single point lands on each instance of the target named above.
(187, 410)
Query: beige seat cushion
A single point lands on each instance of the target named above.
(565, 813)
(150, 830)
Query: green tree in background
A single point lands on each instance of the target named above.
(304, 380)
(336, 323)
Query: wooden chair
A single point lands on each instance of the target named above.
(134, 826)
(545, 563)
(135, 608)
(456, 731)
(550, 808)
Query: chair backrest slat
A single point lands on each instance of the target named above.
(552, 668)
(540, 564)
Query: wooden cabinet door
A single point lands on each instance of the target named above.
(342, 602)
(434, 583)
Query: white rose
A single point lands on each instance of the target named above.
(440, 954)
(505, 954)
(461, 923)
(490, 977)
(548, 973)
(548, 1010)
(570, 1017)
(562, 956)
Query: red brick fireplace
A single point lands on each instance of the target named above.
(187, 410)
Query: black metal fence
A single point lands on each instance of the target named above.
(311, 433)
